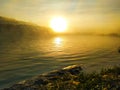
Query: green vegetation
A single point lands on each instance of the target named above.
(73, 79)
(107, 79)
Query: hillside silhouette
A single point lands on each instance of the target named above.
(11, 27)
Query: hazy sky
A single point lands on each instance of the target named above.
(79, 13)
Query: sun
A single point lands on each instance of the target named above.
(58, 24)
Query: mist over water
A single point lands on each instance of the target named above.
(23, 58)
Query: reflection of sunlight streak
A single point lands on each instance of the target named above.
(58, 45)
(58, 41)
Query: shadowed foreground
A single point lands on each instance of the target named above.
(72, 78)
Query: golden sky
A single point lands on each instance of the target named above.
(79, 13)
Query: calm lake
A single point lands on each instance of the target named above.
(24, 58)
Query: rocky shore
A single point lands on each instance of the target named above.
(72, 78)
(42, 82)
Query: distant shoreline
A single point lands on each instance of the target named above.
(10, 26)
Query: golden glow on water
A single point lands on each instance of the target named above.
(92, 52)
(58, 41)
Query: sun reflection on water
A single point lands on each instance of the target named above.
(58, 41)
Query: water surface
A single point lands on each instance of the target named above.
(24, 58)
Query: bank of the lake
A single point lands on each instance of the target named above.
(73, 78)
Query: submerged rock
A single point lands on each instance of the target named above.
(40, 81)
